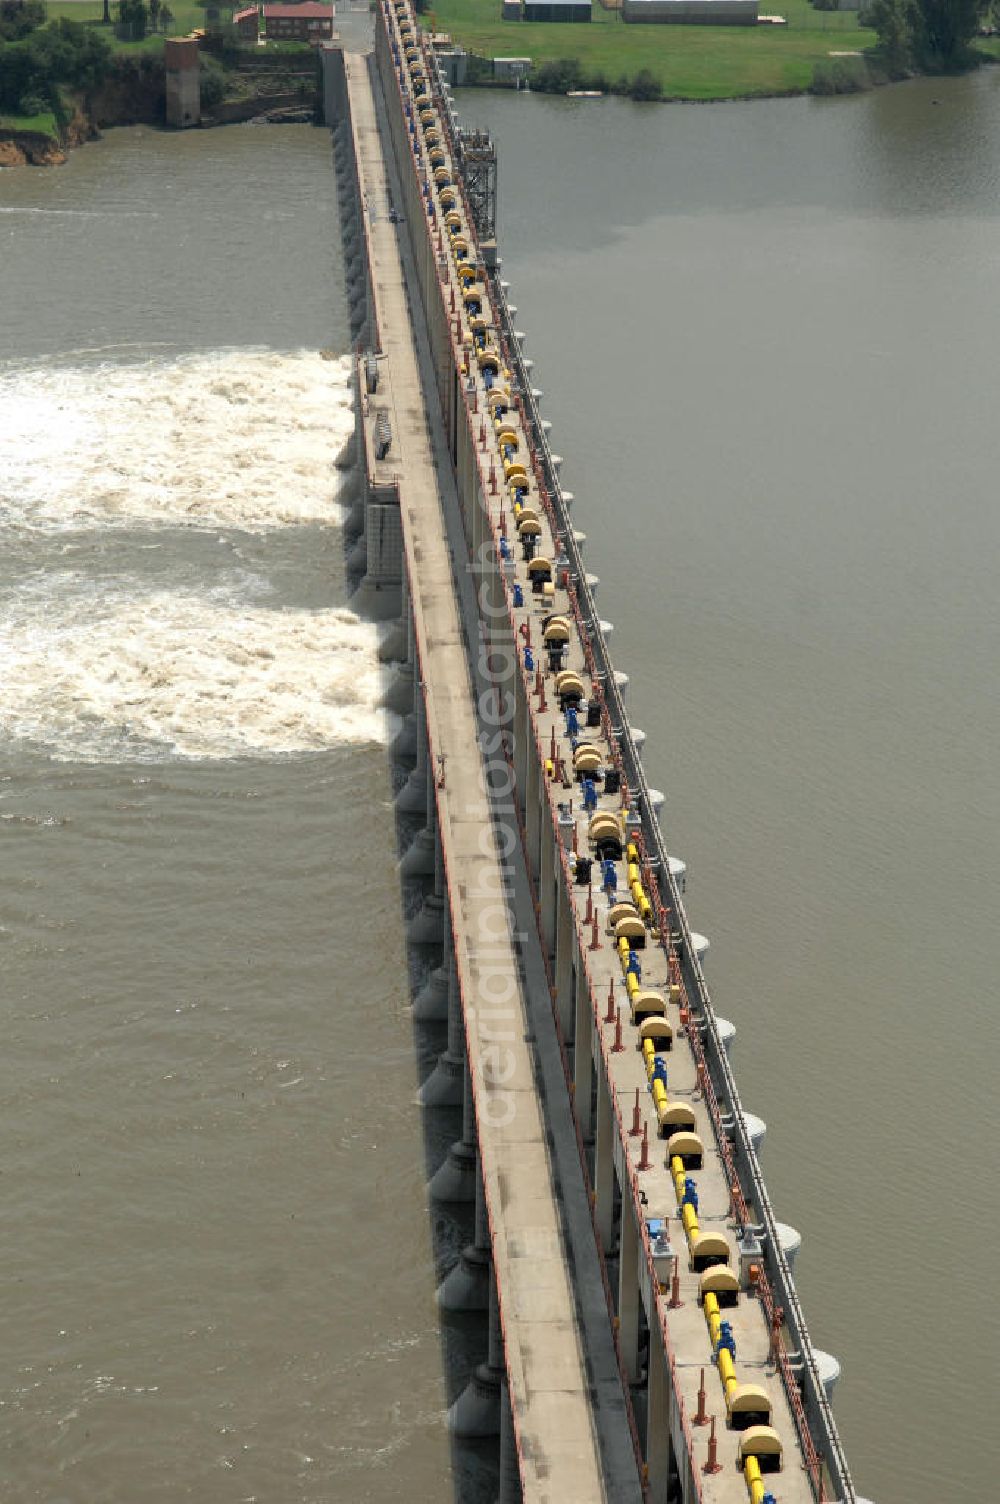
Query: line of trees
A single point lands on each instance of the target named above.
(136, 18)
(19, 17)
(36, 63)
(564, 74)
(925, 33)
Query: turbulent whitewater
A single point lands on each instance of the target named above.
(147, 511)
(237, 438)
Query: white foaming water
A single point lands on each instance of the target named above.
(127, 674)
(235, 438)
(138, 671)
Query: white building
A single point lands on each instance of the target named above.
(692, 12)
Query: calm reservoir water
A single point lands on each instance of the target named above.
(767, 338)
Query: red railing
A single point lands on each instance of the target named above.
(772, 1312)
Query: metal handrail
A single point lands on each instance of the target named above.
(830, 1445)
(704, 1022)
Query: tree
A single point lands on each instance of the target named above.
(19, 17)
(943, 29)
(133, 19)
(84, 55)
(213, 82)
(645, 86)
(154, 11)
(558, 76)
(166, 18)
(64, 53)
(934, 33)
(890, 21)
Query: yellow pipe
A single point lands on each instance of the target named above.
(676, 1166)
(659, 1092)
(754, 1480)
(633, 872)
(632, 851)
(714, 1327)
(711, 1303)
(689, 1218)
(726, 1369)
(631, 985)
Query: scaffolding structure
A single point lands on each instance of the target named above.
(478, 157)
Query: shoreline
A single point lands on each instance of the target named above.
(34, 148)
(37, 149)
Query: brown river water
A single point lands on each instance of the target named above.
(767, 338)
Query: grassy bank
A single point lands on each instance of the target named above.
(690, 62)
(44, 124)
(186, 15)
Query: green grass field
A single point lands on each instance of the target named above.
(187, 17)
(186, 14)
(42, 125)
(691, 62)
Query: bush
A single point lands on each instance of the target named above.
(478, 70)
(213, 83)
(18, 18)
(645, 86)
(557, 77)
(63, 53)
(133, 20)
(841, 75)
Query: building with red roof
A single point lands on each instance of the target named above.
(304, 21)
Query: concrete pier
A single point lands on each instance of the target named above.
(568, 1436)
